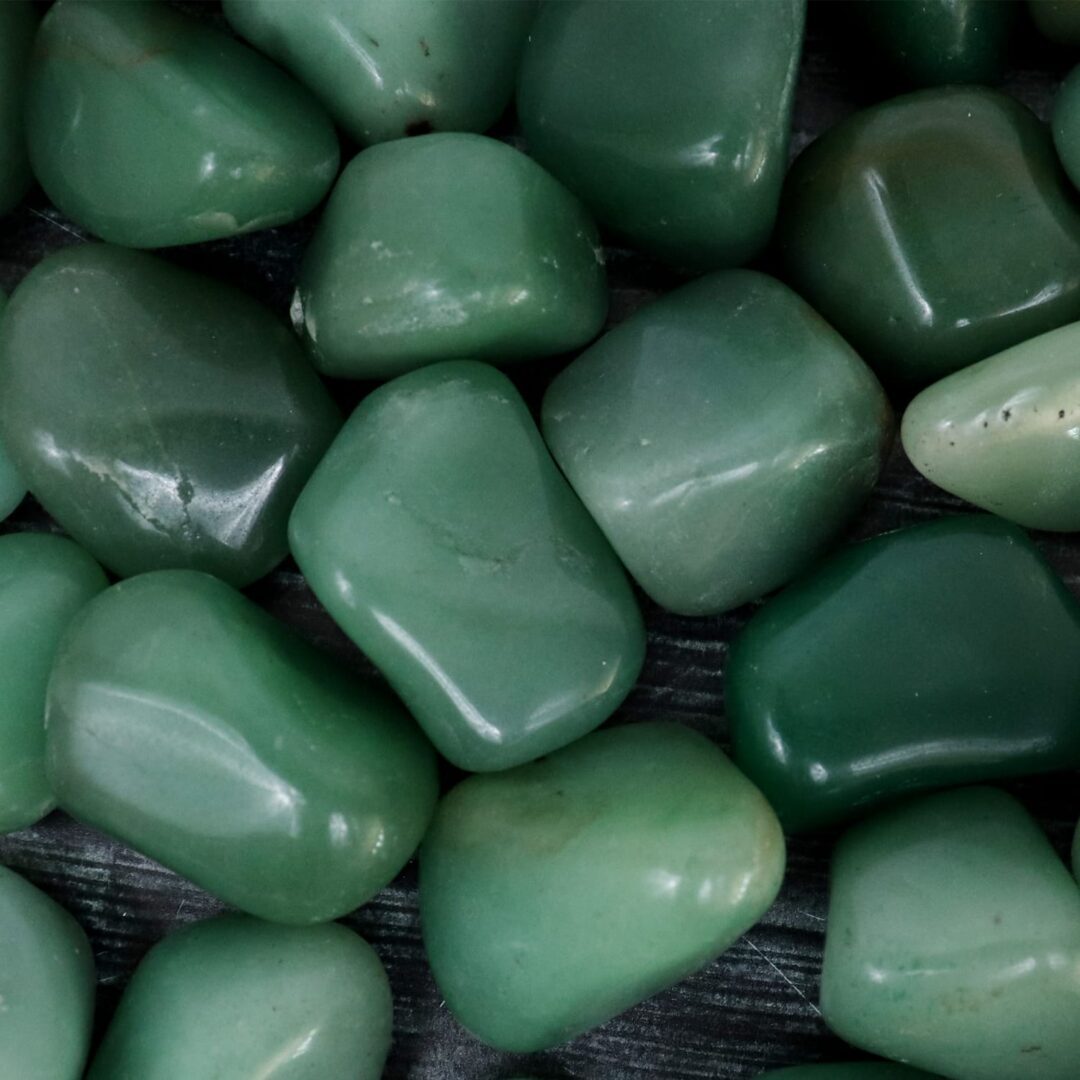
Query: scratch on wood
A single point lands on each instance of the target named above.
(816, 1010)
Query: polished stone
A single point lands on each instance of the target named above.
(12, 487)
(1065, 122)
(1058, 20)
(17, 25)
(849, 1070)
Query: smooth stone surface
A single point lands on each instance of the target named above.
(442, 247)
(163, 418)
(151, 128)
(560, 893)
(44, 581)
(849, 1070)
(670, 118)
(388, 68)
(721, 436)
(46, 985)
(442, 539)
(953, 941)
(875, 211)
(12, 487)
(17, 25)
(1065, 122)
(239, 999)
(1058, 20)
(941, 654)
(1005, 433)
(188, 723)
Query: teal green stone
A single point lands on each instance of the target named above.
(953, 941)
(233, 998)
(1065, 122)
(44, 581)
(442, 539)
(17, 25)
(188, 723)
(442, 247)
(151, 128)
(1058, 20)
(12, 488)
(850, 1070)
(941, 654)
(46, 985)
(388, 68)
(556, 895)
(670, 118)
(875, 211)
(722, 437)
(163, 418)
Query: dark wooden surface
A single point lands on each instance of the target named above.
(753, 1008)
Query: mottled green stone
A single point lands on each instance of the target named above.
(443, 247)
(722, 437)
(163, 418)
(17, 25)
(896, 223)
(442, 539)
(12, 488)
(1058, 20)
(188, 723)
(940, 654)
(953, 941)
(670, 118)
(388, 68)
(849, 1070)
(150, 128)
(234, 998)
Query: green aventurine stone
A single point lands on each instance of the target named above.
(850, 1070)
(443, 247)
(442, 539)
(17, 25)
(163, 418)
(234, 998)
(151, 128)
(46, 986)
(604, 873)
(721, 437)
(44, 581)
(953, 941)
(1058, 20)
(670, 118)
(875, 211)
(1065, 123)
(388, 68)
(940, 654)
(185, 721)
(12, 488)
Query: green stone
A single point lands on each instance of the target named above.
(560, 893)
(875, 211)
(233, 998)
(1065, 123)
(940, 654)
(442, 539)
(670, 118)
(1058, 20)
(151, 128)
(46, 985)
(953, 941)
(12, 488)
(443, 247)
(44, 581)
(387, 68)
(722, 437)
(849, 1070)
(188, 723)
(17, 25)
(163, 418)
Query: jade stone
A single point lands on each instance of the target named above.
(17, 25)
(443, 247)
(12, 488)
(953, 941)
(875, 211)
(388, 68)
(670, 118)
(46, 985)
(151, 128)
(850, 1070)
(722, 437)
(239, 999)
(44, 581)
(1065, 123)
(1058, 20)
(940, 654)
(560, 893)
(163, 418)
(188, 723)
(442, 539)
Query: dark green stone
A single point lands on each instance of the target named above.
(17, 25)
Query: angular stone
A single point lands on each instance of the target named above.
(442, 247)
(953, 941)
(151, 128)
(670, 118)
(163, 418)
(17, 25)
(188, 723)
(388, 68)
(442, 539)
(1058, 20)
(721, 437)
(12, 488)
(850, 1070)
(240, 999)
(940, 654)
